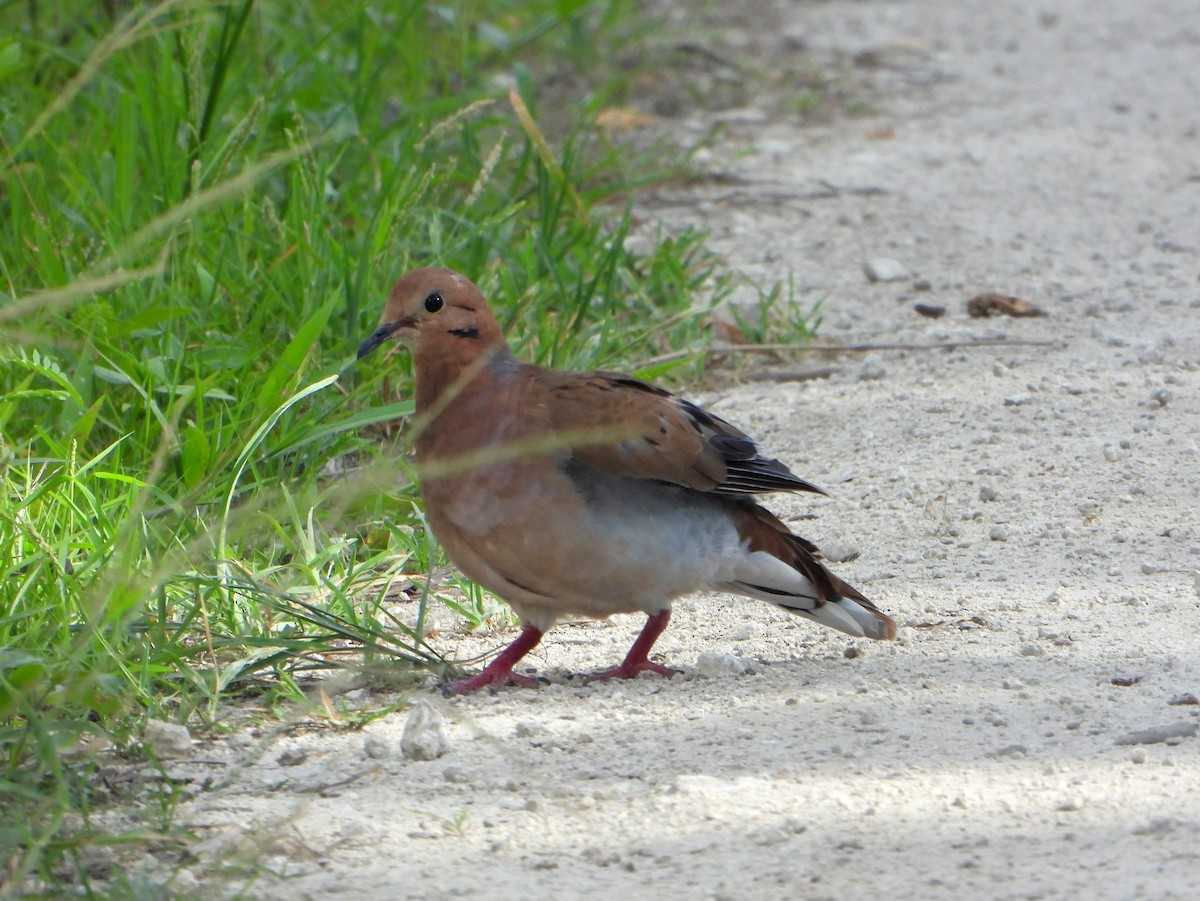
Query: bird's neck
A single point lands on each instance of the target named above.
(445, 372)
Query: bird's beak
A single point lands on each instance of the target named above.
(381, 334)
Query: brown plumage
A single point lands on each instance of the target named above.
(591, 493)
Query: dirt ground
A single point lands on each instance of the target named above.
(1026, 512)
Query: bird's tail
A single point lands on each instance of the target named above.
(786, 570)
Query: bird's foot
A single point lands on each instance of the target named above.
(499, 672)
(494, 680)
(631, 670)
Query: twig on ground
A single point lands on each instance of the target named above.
(722, 349)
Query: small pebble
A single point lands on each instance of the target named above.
(1184, 700)
(870, 371)
(712, 664)
(639, 245)
(851, 652)
(423, 738)
(998, 533)
(1158, 826)
(1018, 400)
(1032, 650)
(884, 269)
(1158, 734)
(1161, 396)
(1071, 804)
(376, 748)
(840, 550)
(794, 825)
(292, 757)
(241, 740)
(185, 883)
(1010, 751)
(988, 493)
(165, 739)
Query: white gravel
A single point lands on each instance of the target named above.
(1027, 513)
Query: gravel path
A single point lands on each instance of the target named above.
(1027, 513)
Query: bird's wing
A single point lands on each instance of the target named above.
(621, 426)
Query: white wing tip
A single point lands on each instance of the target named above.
(850, 617)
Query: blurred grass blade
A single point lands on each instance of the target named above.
(352, 423)
(134, 26)
(542, 147)
(256, 439)
(290, 361)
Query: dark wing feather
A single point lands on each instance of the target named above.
(747, 470)
(645, 432)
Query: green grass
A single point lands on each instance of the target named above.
(201, 208)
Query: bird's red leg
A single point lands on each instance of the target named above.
(499, 671)
(638, 659)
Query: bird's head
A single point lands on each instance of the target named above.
(435, 312)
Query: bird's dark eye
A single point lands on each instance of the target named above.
(433, 303)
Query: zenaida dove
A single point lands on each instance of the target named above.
(591, 493)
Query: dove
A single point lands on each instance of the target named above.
(586, 494)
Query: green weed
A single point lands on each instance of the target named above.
(778, 317)
(201, 208)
